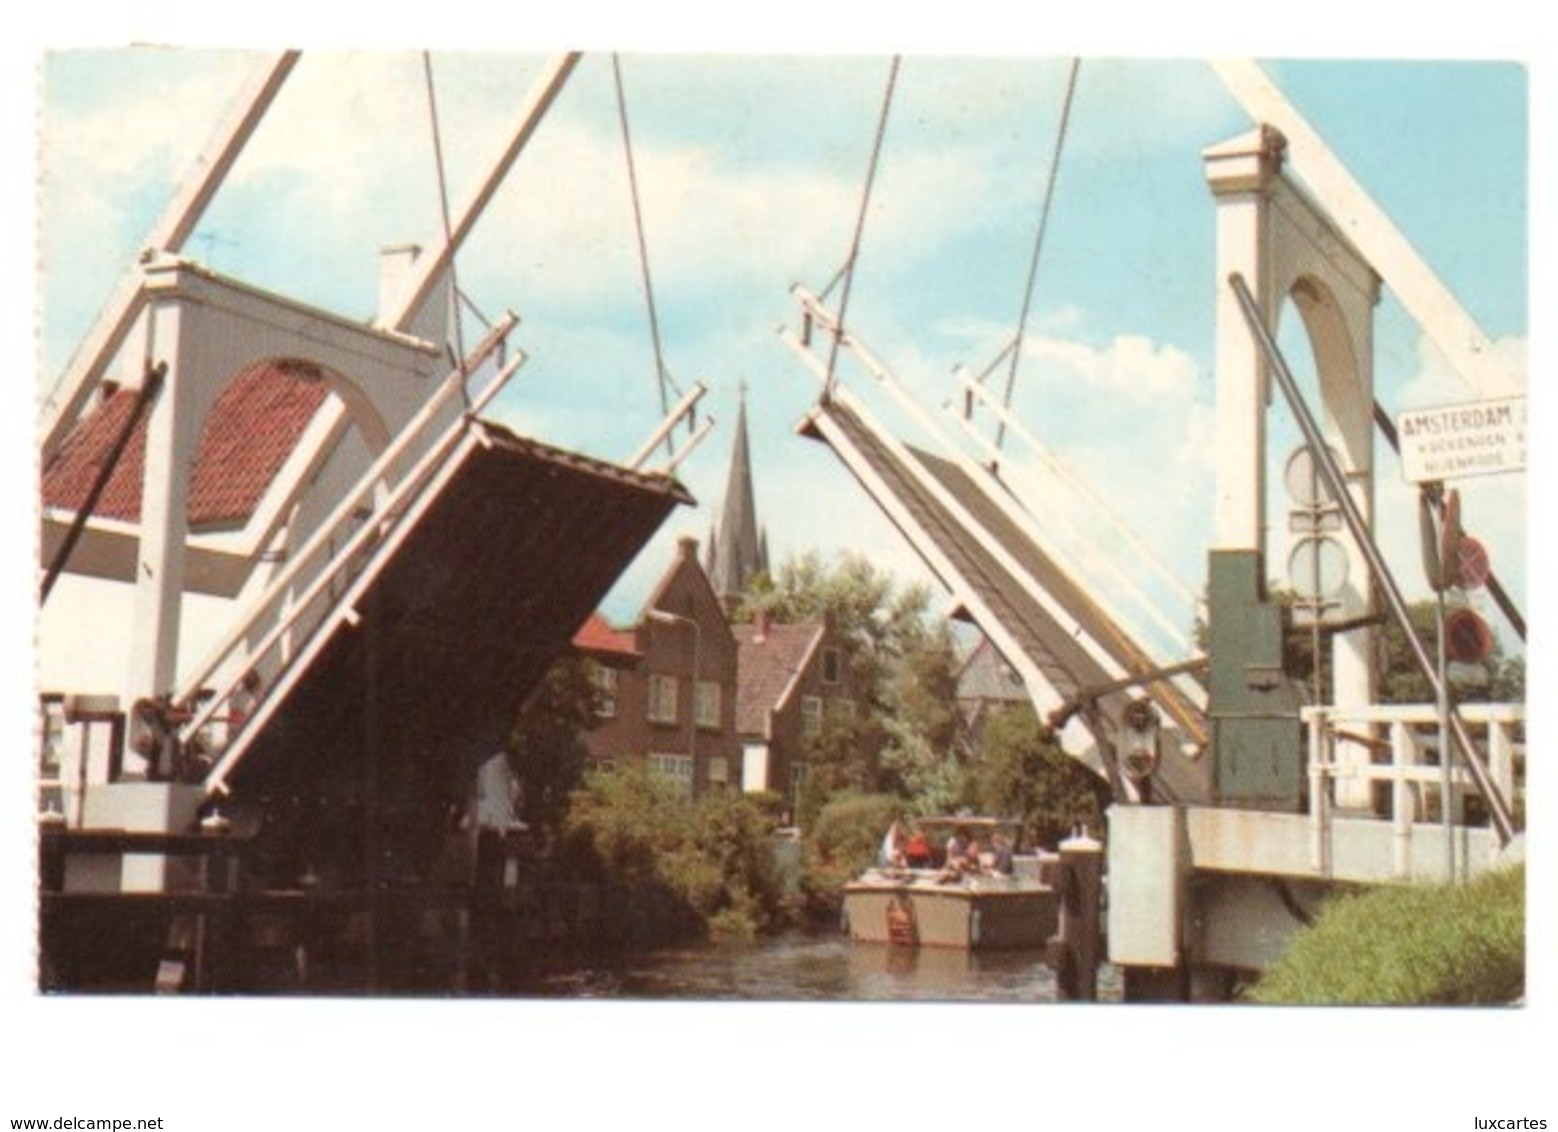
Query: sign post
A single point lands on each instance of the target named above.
(1478, 438)
(1446, 779)
(1453, 560)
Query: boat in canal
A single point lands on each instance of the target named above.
(940, 907)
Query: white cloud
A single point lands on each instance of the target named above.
(116, 135)
(707, 225)
(1435, 382)
(344, 122)
(1130, 366)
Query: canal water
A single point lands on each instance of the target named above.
(801, 968)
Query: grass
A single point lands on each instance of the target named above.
(1411, 945)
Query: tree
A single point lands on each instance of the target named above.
(1020, 772)
(899, 656)
(923, 729)
(548, 738)
(1498, 679)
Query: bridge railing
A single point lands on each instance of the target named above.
(258, 652)
(1384, 761)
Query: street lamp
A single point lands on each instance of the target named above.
(661, 617)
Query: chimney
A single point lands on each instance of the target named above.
(689, 547)
(397, 267)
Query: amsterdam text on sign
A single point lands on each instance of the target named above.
(1476, 439)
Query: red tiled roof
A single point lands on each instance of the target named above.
(766, 667)
(255, 424)
(596, 635)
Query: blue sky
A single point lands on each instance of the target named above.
(751, 169)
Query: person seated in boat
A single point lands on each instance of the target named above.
(957, 846)
(974, 855)
(891, 854)
(962, 855)
(916, 850)
(1000, 855)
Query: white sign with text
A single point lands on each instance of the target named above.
(1479, 438)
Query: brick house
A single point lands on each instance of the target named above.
(668, 684)
(791, 678)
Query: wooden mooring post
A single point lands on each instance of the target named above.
(1076, 948)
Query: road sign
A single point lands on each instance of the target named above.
(1318, 568)
(1478, 438)
(1467, 638)
(1472, 565)
(1304, 483)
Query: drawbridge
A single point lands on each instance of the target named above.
(1266, 795)
(296, 580)
(1085, 671)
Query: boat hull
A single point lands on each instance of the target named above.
(979, 915)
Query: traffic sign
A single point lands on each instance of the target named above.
(1452, 441)
(1318, 568)
(1472, 565)
(1467, 638)
(1303, 481)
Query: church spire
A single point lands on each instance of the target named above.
(739, 550)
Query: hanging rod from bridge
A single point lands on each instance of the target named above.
(1336, 483)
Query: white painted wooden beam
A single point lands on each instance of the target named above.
(431, 267)
(1424, 295)
(177, 222)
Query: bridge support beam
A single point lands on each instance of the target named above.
(1292, 253)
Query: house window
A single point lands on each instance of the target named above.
(675, 770)
(605, 680)
(832, 666)
(708, 702)
(811, 716)
(841, 711)
(719, 772)
(662, 699)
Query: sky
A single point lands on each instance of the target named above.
(751, 171)
(752, 131)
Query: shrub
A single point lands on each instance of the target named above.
(1413, 945)
(714, 854)
(618, 823)
(735, 837)
(842, 842)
